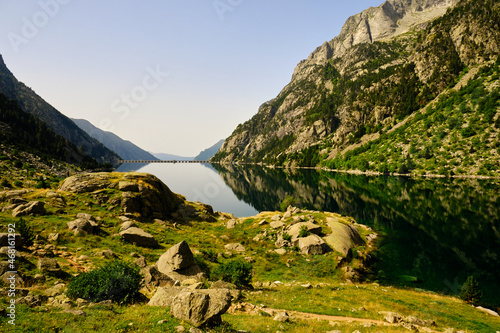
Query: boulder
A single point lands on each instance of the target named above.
(282, 317)
(139, 237)
(164, 296)
(31, 208)
(154, 278)
(81, 227)
(343, 238)
(48, 265)
(235, 247)
(294, 229)
(313, 245)
(177, 258)
(201, 307)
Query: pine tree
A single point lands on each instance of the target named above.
(471, 292)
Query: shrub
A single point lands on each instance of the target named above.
(209, 255)
(116, 281)
(42, 184)
(237, 272)
(199, 260)
(26, 232)
(18, 183)
(288, 201)
(304, 231)
(287, 237)
(470, 292)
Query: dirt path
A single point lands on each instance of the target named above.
(251, 309)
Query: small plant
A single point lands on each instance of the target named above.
(42, 184)
(237, 272)
(304, 231)
(26, 232)
(5, 183)
(471, 292)
(116, 281)
(199, 260)
(287, 237)
(18, 183)
(288, 201)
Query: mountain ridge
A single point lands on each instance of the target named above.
(35, 105)
(124, 148)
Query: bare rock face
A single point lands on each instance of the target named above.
(84, 183)
(294, 229)
(201, 306)
(177, 258)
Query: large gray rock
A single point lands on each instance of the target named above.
(154, 278)
(177, 258)
(201, 306)
(343, 237)
(89, 182)
(31, 208)
(313, 245)
(139, 237)
(235, 247)
(84, 224)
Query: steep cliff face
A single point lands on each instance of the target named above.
(387, 63)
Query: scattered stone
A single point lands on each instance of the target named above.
(231, 224)
(164, 296)
(75, 312)
(31, 208)
(250, 259)
(109, 254)
(58, 289)
(127, 225)
(195, 330)
(154, 278)
(141, 262)
(201, 306)
(48, 265)
(139, 237)
(281, 252)
(282, 317)
(287, 215)
(263, 222)
(295, 229)
(276, 217)
(180, 329)
(53, 237)
(5, 240)
(235, 247)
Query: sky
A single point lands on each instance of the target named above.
(172, 76)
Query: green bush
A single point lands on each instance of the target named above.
(116, 281)
(26, 232)
(288, 201)
(5, 183)
(287, 237)
(210, 255)
(470, 292)
(237, 272)
(18, 183)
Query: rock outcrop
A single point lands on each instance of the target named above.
(139, 237)
(30, 208)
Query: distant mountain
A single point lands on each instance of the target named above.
(208, 153)
(126, 149)
(33, 104)
(170, 157)
(25, 132)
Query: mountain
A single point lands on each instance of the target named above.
(22, 132)
(208, 153)
(407, 87)
(170, 157)
(33, 104)
(126, 149)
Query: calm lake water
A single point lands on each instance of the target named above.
(437, 230)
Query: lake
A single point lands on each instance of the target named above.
(438, 231)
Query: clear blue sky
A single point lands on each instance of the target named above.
(172, 76)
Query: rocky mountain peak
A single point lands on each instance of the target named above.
(392, 18)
